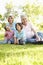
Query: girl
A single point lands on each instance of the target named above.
(9, 35)
(19, 35)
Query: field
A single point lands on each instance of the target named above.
(29, 54)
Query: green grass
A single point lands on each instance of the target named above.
(1, 36)
(21, 54)
(28, 54)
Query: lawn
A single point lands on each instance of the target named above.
(29, 54)
(1, 36)
(21, 54)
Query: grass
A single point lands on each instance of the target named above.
(28, 54)
(21, 54)
(1, 36)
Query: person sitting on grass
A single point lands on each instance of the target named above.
(30, 32)
(9, 35)
(19, 35)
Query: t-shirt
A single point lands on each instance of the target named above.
(9, 35)
(20, 35)
(28, 30)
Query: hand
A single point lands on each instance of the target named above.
(17, 41)
(38, 39)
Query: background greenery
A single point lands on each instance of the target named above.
(33, 11)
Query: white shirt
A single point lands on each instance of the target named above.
(28, 30)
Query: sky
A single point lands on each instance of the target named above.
(16, 3)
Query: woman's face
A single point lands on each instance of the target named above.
(24, 20)
(10, 20)
(18, 28)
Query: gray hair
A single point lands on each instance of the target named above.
(23, 16)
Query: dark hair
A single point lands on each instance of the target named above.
(20, 24)
(5, 28)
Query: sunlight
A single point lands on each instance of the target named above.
(17, 3)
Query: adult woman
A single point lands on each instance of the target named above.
(11, 22)
(31, 34)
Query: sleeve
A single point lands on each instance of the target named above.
(15, 33)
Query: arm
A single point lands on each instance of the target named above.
(15, 39)
(37, 37)
(6, 34)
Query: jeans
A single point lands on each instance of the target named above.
(21, 41)
(30, 40)
(11, 41)
(40, 34)
(33, 39)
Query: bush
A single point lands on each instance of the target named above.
(3, 25)
(0, 26)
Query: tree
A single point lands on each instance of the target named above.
(10, 10)
(0, 16)
(32, 11)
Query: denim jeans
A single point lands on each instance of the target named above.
(30, 40)
(21, 41)
(33, 39)
(6, 41)
(40, 34)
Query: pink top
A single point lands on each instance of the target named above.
(9, 34)
(28, 30)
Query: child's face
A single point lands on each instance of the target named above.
(18, 28)
(7, 28)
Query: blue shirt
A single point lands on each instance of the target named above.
(12, 27)
(20, 35)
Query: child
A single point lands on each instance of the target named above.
(9, 35)
(19, 35)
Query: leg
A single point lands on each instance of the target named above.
(40, 34)
(11, 41)
(21, 42)
(3, 41)
(32, 40)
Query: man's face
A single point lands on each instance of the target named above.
(24, 21)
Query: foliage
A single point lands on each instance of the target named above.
(33, 11)
(0, 16)
(0, 26)
(3, 25)
(10, 10)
